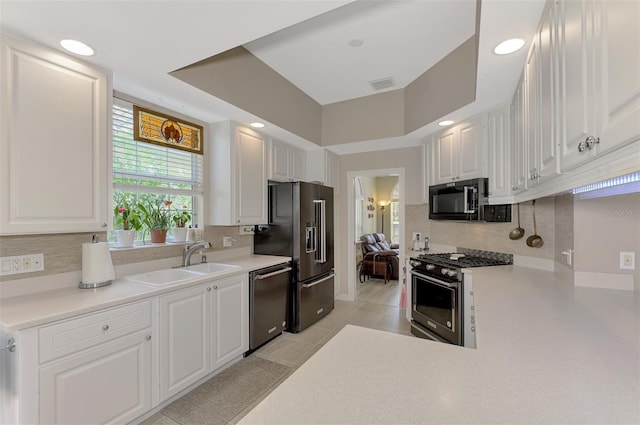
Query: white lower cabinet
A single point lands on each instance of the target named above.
(230, 319)
(200, 329)
(107, 367)
(108, 384)
(185, 337)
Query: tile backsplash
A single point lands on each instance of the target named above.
(63, 252)
(489, 236)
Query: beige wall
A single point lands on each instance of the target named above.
(378, 116)
(602, 228)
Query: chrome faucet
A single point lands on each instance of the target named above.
(188, 251)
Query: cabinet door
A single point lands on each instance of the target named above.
(280, 162)
(185, 337)
(577, 32)
(547, 115)
(297, 164)
(230, 319)
(108, 384)
(532, 111)
(619, 88)
(54, 142)
(251, 169)
(445, 156)
(332, 171)
(519, 145)
(499, 142)
(471, 152)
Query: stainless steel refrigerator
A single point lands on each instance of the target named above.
(301, 227)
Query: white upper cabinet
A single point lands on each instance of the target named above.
(519, 131)
(287, 163)
(540, 104)
(458, 153)
(55, 142)
(599, 52)
(499, 147)
(324, 166)
(238, 170)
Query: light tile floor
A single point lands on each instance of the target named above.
(293, 350)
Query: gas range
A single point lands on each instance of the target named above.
(448, 266)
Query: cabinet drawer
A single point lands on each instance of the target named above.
(87, 331)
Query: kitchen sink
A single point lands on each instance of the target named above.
(163, 277)
(211, 267)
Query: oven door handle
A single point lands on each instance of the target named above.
(433, 279)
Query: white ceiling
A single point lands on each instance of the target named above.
(142, 41)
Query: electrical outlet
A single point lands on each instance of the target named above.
(22, 264)
(246, 230)
(16, 265)
(627, 260)
(227, 241)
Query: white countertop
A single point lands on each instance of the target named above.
(26, 311)
(547, 352)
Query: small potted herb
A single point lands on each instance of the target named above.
(181, 218)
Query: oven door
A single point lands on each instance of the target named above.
(436, 308)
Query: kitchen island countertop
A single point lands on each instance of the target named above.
(548, 352)
(25, 311)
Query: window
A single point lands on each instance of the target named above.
(395, 215)
(144, 173)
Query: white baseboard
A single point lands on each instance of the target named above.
(604, 280)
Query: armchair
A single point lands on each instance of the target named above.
(379, 257)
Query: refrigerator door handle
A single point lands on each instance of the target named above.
(321, 220)
(309, 285)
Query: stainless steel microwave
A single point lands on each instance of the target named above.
(460, 200)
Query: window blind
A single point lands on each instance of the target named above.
(143, 167)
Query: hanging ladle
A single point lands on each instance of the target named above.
(518, 232)
(534, 241)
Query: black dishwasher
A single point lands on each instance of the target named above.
(268, 297)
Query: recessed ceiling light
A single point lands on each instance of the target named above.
(77, 47)
(509, 46)
(256, 125)
(445, 123)
(355, 42)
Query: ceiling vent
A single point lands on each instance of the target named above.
(381, 83)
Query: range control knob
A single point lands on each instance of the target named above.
(414, 263)
(452, 273)
(444, 271)
(430, 266)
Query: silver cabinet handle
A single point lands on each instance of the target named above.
(588, 143)
(105, 327)
(514, 188)
(104, 224)
(215, 286)
(209, 289)
(148, 337)
(11, 345)
(277, 272)
(309, 285)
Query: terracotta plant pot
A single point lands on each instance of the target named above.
(158, 236)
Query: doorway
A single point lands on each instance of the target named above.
(376, 205)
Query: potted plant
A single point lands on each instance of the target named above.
(128, 218)
(181, 218)
(157, 219)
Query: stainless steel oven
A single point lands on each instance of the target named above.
(436, 309)
(441, 296)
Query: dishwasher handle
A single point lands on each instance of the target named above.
(268, 275)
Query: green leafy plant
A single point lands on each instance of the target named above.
(127, 216)
(156, 215)
(181, 217)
